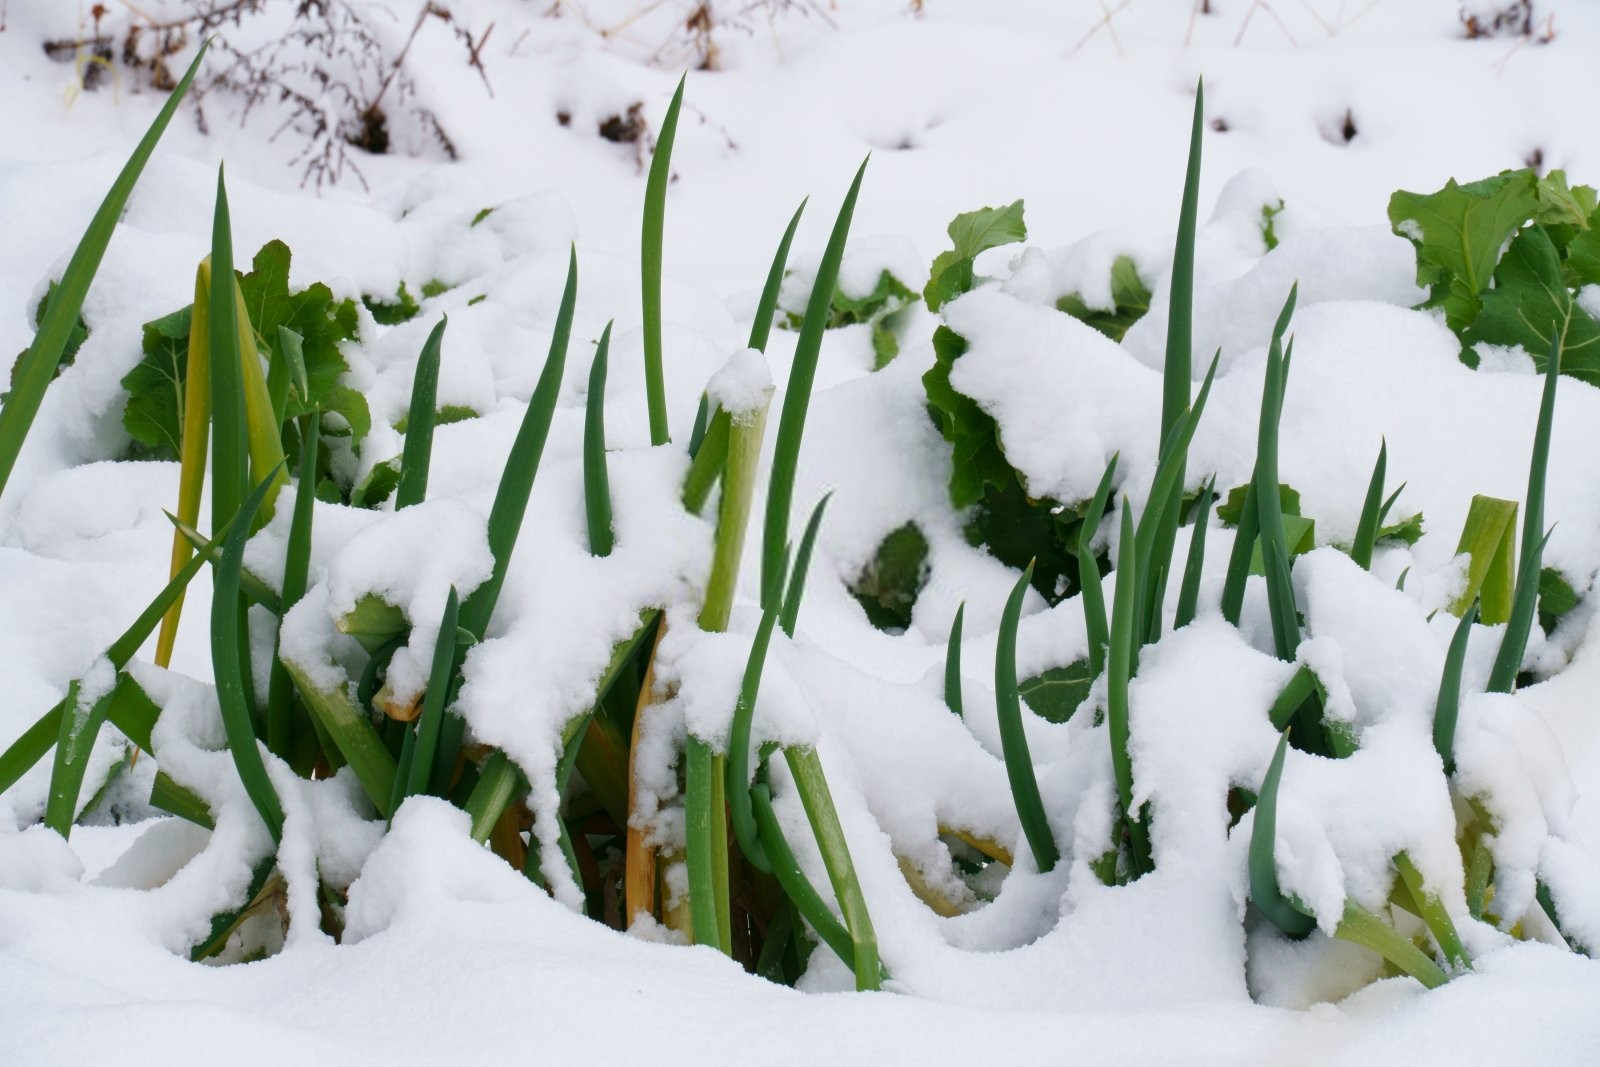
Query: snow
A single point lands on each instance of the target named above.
(449, 953)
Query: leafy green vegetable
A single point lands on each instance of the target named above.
(1269, 223)
(1556, 598)
(75, 338)
(154, 412)
(403, 308)
(978, 463)
(1015, 527)
(1231, 509)
(1130, 298)
(1055, 694)
(1408, 530)
(888, 585)
(971, 233)
(322, 323)
(1530, 295)
(1458, 233)
(375, 488)
(443, 417)
(879, 309)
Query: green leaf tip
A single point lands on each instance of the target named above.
(1263, 863)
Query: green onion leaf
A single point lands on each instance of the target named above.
(1263, 863)
(38, 366)
(226, 643)
(516, 481)
(1094, 598)
(1269, 508)
(1508, 661)
(1189, 594)
(812, 785)
(1371, 512)
(796, 399)
(952, 664)
(296, 571)
(418, 451)
(745, 829)
(802, 564)
(596, 484)
(796, 886)
(761, 326)
(655, 211)
(1449, 704)
(439, 677)
(1013, 741)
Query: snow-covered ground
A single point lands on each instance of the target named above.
(1082, 110)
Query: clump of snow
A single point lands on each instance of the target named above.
(743, 387)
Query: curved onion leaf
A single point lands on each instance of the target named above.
(1013, 741)
(952, 663)
(1264, 891)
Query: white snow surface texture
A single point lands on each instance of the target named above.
(1080, 108)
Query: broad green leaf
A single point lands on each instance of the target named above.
(403, 308)
(322, 325)
(153, 416)
(888, 585)
(75, 338)
(1129, 296)
(1556, 598)
(1583, 254)
(889, 294)
(1230, 510)
(1408, 530)
(978, 461)
(1564, 205)
(1055, 694)
(375, 488)
(1458, 233)
(971, 233)
(1015, 527)
(1530, 299)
